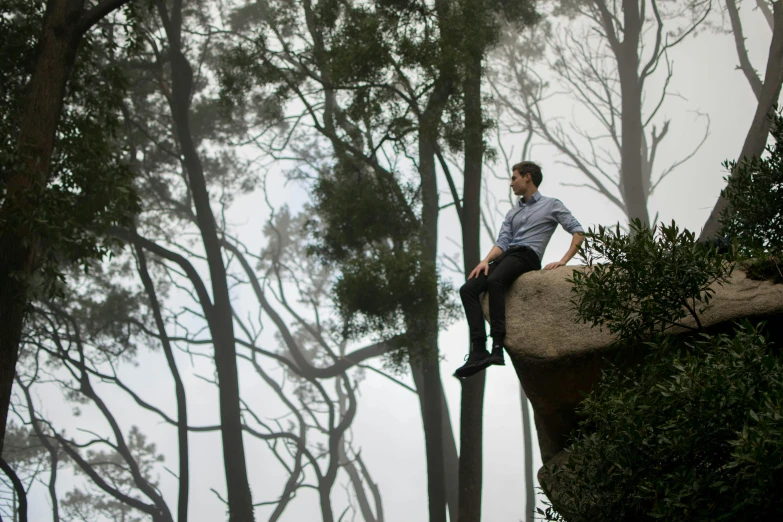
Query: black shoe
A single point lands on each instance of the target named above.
(496, 357)
(476, 361)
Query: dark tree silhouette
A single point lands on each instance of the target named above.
(767, 92)
(23, 245)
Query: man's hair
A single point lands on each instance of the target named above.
(528, 167)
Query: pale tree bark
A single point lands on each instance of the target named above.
(65, 24)
(631, 185)
(763, 6)
(767, 94)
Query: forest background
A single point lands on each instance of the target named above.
(254, 187)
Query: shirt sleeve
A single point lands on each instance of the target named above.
(566, 220)
(504, 238)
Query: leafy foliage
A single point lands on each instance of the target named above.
(646, 281)
(20, 25)
(754, 214)
(376, 77)
(91, 185)
(371, 234)
(694, 433)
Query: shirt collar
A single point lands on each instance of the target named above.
(535, 197)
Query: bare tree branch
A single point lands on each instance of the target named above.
(21, 494)
(742, 52)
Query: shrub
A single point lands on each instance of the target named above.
(647, 281)
(753, 217)
(695, 431)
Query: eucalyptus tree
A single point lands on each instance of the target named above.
(369, 79)
(376, 92)
(85, 344)
(60, 173)
(612, 61)
(171, 132)
(766, 90)
(182, 162)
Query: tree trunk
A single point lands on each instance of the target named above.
(326, 504)
(348, 464)
(527, 440)
(63, 28)
(450, 460)
(219, 317)
(631, 175)
(756, 139)
(425, 326)
(450, 457)
(431, 409)
(472, 400)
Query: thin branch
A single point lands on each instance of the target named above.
(21, 494)
(97, 13)
(450, 179)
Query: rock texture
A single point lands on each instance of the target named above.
(558, 360)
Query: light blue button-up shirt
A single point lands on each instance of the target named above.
(532, 224)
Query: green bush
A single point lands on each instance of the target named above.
(647, 281)
(695, 432)
(753, 218)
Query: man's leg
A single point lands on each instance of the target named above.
(470, 293)
(516, 263)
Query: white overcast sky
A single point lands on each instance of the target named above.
(388, 424)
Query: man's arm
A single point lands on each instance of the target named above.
(576, 240)
(504, 238)
(484, 264)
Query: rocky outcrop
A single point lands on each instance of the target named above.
(558, 360)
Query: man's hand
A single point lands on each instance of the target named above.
(557, 264)
(481, 267)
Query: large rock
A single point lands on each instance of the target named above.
(558, 360)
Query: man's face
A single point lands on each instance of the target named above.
(520, 182)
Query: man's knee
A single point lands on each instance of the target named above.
(471, 289)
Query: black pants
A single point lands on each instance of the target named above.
(502, 272)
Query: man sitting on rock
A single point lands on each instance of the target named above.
(525, 233)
